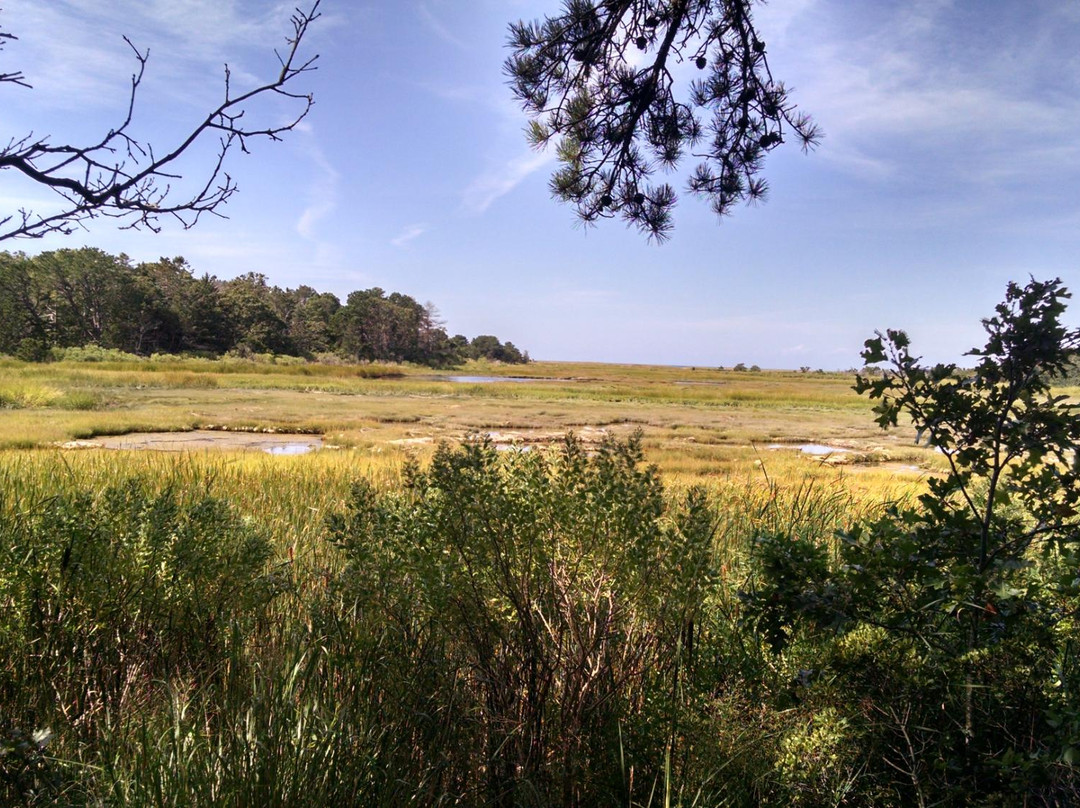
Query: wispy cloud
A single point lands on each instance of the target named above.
(440, 30)
(75, 55)
(497, 182)
(777, 19)
(322, 191)
(410, 233)
(886, 80)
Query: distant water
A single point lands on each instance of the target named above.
(487, 379)
(290, 449)
(811, 448)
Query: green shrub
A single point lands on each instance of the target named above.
(92, 353)
(951, 625)
(32, 350)
(553, 601)
(109, 596)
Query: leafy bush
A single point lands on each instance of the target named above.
(32, 350)
(553, 601)
(964, 672)
(92, 353)
(109, 596)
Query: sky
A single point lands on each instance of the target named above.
(950, 166)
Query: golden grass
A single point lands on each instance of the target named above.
(288, 496)
(699, 425)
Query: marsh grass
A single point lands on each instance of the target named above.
(695, 421)
(313, 693)
(367, 663)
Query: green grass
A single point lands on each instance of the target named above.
(133, 635)
(231, 628)
(696, 423)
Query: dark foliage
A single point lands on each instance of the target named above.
(953, 624)
(553, 600)
(601, 79)
(75, 298)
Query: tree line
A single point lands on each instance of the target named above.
(69, 298)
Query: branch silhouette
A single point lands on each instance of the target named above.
(122, 177)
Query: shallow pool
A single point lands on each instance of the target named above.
(817, 449)
(488, 379)
(200, 440)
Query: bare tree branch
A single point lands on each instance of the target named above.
(123, 178)
(17, 77)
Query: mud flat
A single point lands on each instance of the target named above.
(205, 440)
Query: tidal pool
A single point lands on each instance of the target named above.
(201, 440)
(816, 449)
(487, 379)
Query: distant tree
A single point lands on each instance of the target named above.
(25, 315)
(362, 323)
(437, 347)
(248, 304)
(487, 346)
(484, 346)
(89, 301)
(600, 80)
(191, 308)
(70, 298)
(512, 355)
(407, 320)
(153, 325)
(204, 322)
(120, 177)
(310, 318)
(394, 328)
(458, 346)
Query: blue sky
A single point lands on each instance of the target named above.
(950, 165)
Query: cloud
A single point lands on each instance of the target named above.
(305, 225)
(497, 182)
(931, 80)
(410, 233)
(853, 160)
(75, 55)
(777, 19)
(322, 191)
(440, 30)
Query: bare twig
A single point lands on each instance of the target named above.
(17, 77)
(123, 178)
